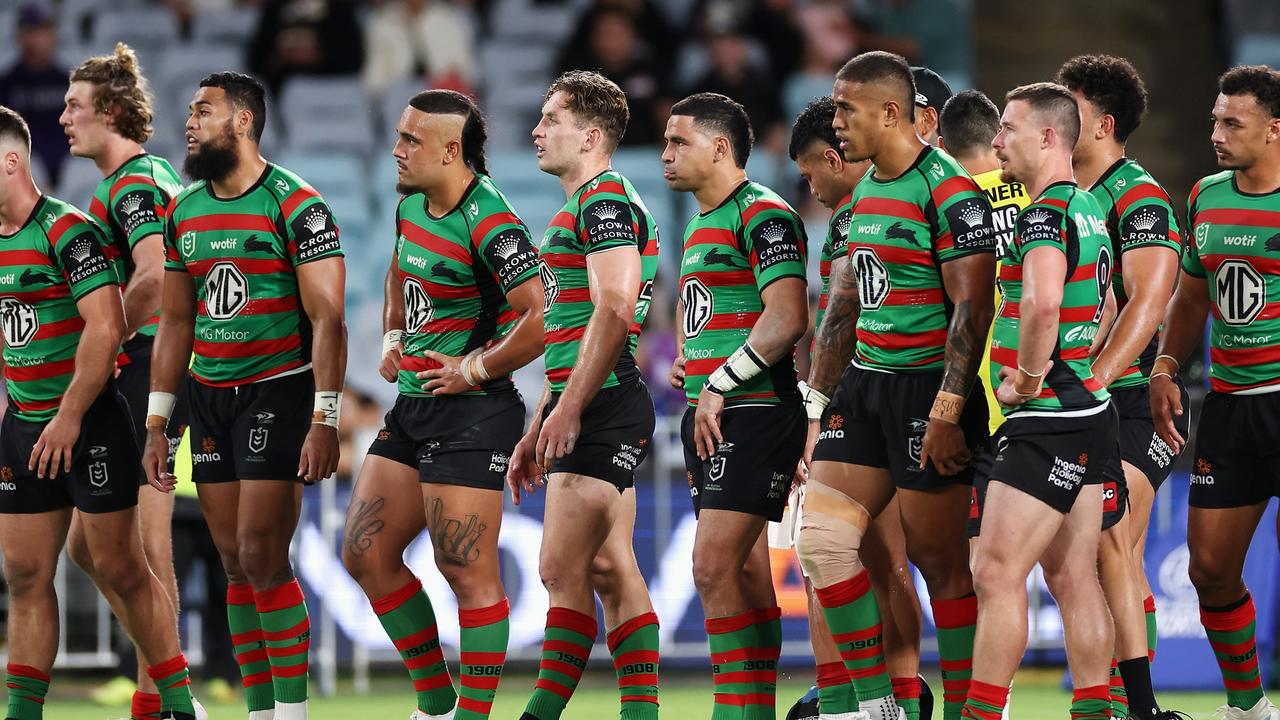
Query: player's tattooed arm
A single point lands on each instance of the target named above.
(833, 346)
(969, 282)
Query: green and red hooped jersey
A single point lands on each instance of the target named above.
(1139, 214)
(731, 254)
(833, 247)
(242, 254)
(903, 230)
(1068, 219)
(1235, 245)
(455, 271)
(130, 204)
(56, 258)
(604, 214)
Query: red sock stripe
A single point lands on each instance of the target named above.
(145, 704)
(240, 594)
(395, 599)
(988, 694)
(561, 667)
(867, 672)
(956, 665)
(474, 706)
(972, 713)
(289, 671)
(636, 656)
(1093, 692)
(564, 646)
(858, 635)
(479, 617)
(730, 623)
(247, 637)
(433, 682)
(1233, 648)
(1149, 605)
(907, 688)
(479, 682)
(290, 650)
(567, 619)
(472, 657)
(1241, 685)
(639, 698)
(424, 635)
(617, 635)
(249, 657)
(768, 614)
(553, 687)
(742, 677)
(832, 674)
(15, 686)
(845, 592)
(958, 613)
(1231, 620)
(740, 700)
(262, 678)
(288, 633)
(740, 654)
(27, 671)
(280, 597)
(168, 667)
(1248, 666)
(639, 679)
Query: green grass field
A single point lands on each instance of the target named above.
(1036, 696)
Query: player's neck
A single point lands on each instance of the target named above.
(1056, 169)
(897, 154)
(446, 196)
(1089, 168)
(115, 153)
(718, 188)
(16, 208)
(246, 174)
(980, 162)
(585, 170)
(1262, 177)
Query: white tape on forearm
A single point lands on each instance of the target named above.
(328, 408)
(814, 401)
(744, 364)
(390, 339)
(160, 404)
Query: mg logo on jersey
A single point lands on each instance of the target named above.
(1241, 292)
(698, 307)
(417, 306)
(98, 474)
(873, 278)
(550, 286)
(226, 291)
(257, 440)
(19, 321)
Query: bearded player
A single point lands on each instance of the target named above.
(254, 286)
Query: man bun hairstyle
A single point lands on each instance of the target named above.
(724, 116)
(474, 131)
(120, 91)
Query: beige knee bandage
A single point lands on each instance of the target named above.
(831, 531)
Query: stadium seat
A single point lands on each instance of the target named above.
(323, 114)
(226, 25)
(330, 174)
(80, 177)
(141, 28)
(1258, 49)
(547, 23)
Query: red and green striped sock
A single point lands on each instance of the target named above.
(27, 688)
(1091, 703)
(854, 618)
(1153, 632)
(731, 640)
(250, 648)
(286, 628)
(957, 622)
(762, 702)
(410, 622)
(985, 701)
(634, 647)
(1231, 635)
(484, 651)
(145, 706)
(565, 649)
(906, 691)
(173, 679)
(1119, 696)
(835, 692)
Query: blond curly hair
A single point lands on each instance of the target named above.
(120, 91)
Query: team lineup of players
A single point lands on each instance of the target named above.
(217, 309)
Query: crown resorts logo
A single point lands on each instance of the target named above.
(1037, 217)
(131, 204)
(1145, 219)
(606, 212)
(773, 231)
(507, 248)
(315, 220)
(971, 214)
(80, 250)
(842, 225)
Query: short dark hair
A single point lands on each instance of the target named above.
(1055, 103)
(1260, 81)
(246, 93)
(474, 130)
(968, 122)
(13, 127)
(596, 99)
(723, 115)
(1112, 84)
(880, 66)
(813, 124)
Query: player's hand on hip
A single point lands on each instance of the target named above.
(676, 376)
(806, 460)
(559, 435)
(446, 379)
(155, 461)
(944, 444)
(523, 471)
(389, 369)
(56, 447)
(706, 423)
(320, 453)
(1166, 404)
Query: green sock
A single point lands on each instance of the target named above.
(27, 688)
(730, 639)
(1091, 703)
(173, 679)
(957, 623)
(1153, 632)
(484, 651)
(1231, 635)
(854, 618)
(835, 692)
(907, 692)
(250, 648)
(762, 702)
(410, 622)
(287, 631)
(634, 647)
(986, 702)
(565, 649)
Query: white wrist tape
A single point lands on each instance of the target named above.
(814, 401)
(744, 364)
(161, 404)
(328, 408)
(390, 339)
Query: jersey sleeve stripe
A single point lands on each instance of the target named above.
(612, 187)
(226, 222)
(295, 200)
(64, 223)
(491, 223)
(128, 180)
(889, 207)
(99, 212)
(1144, 191)
(953, 186)
(749, 213)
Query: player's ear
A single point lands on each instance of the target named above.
(1106, 126)
(723, 150)
(244, 122)
(1273, 130)
(452, 151)
(593, 139)
(892, 113)
(833, 159)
